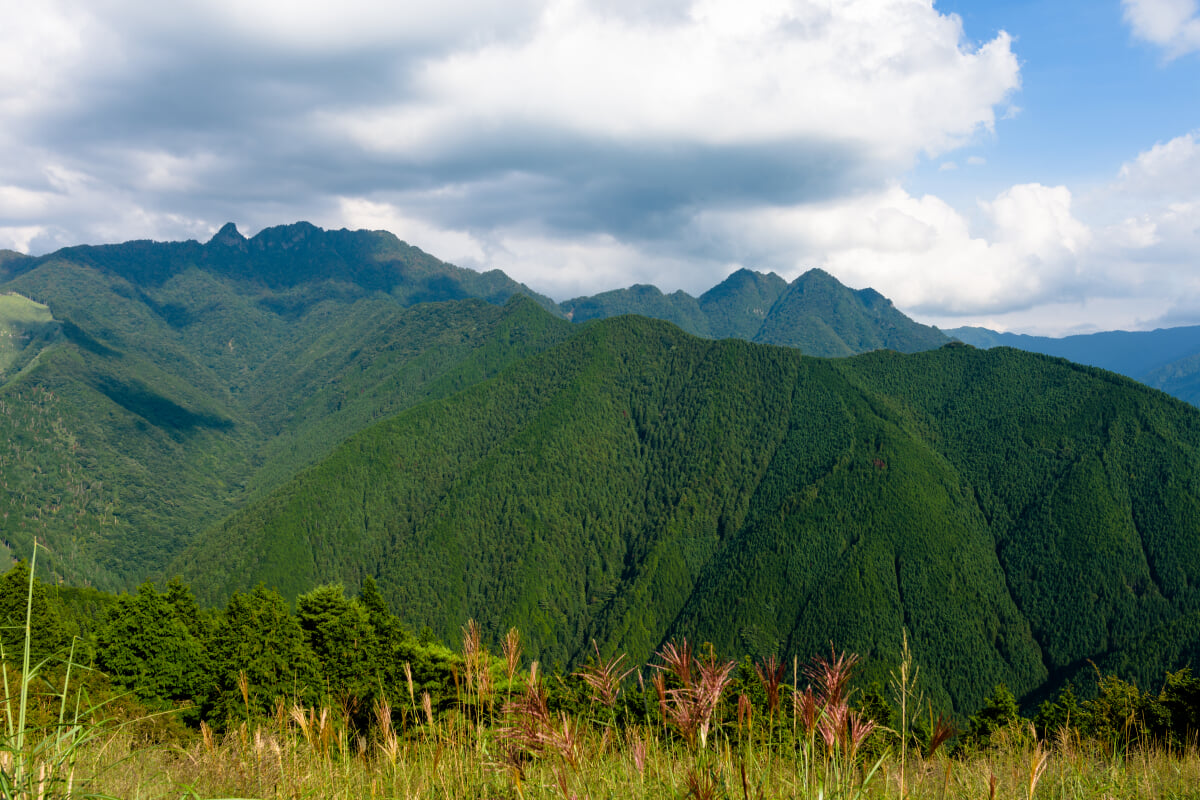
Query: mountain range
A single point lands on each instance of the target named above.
(309, 406)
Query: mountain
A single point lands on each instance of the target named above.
(1017, 514)
(814, 313)
(307, 406)
(1166, 358)
(820, 316)
(737, 307)
(679, 308)
(149, 389)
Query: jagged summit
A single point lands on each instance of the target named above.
(815, 313)
(228, 236)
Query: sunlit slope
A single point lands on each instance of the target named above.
(26, 327)
(1015, 513)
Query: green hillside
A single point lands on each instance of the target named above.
(1165, 358)
(148, 390)
(737, 307)
(307, 406)
(1017, 514)
(25, 328)
(678, 308)
(820, 316)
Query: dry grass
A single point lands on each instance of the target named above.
(273, 761)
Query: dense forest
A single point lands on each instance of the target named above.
(1019, 515)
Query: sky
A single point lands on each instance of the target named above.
(1025, 166)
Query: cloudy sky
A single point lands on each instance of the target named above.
(1025, 165)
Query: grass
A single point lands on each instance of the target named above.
(38, 755)
(505, 741)
(275, 759)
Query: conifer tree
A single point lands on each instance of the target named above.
(145, 646)
(48, 636)
(257, 637)
(339, 631)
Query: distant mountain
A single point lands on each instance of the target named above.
(1016, 514)
(10, 257)
(815, 313)
(1166, 358)
(820, 316)
(737, 307)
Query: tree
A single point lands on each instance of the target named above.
(999, 713)
(47, 636)
(257, 637)
(145, 646)
(339, 631)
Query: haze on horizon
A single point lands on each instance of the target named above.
(1023, 166)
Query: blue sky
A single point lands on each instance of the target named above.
(1091, 94)
(1026, 166)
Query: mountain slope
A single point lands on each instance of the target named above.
(1016, 514)
(736, 307)
(1166, 358)
(820, 316)
(160, 386)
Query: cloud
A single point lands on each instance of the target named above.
(1168, 169)
(567, 117)
(579, 145)
(922, 253)
(19, 238)
(1173, 25)
(1153, 210)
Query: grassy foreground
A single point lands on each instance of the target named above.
(509, 733)
(285, 759)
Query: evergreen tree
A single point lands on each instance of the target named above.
(48, 636)
(999, 713)
(257, 636)
(145, 646)
(339, 631)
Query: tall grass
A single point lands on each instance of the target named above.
(38, 757)
(273, 760)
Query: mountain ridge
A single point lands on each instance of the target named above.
(1165, 358)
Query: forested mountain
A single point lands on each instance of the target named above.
(815, 313)
(147, 390)
(1017, 514)
(1166, 358)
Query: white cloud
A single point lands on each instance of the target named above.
(454, 246)
(1173, 25)
(41, 46)
(1168, 169)
(891, 76)
(921, 252)
(19, 238)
